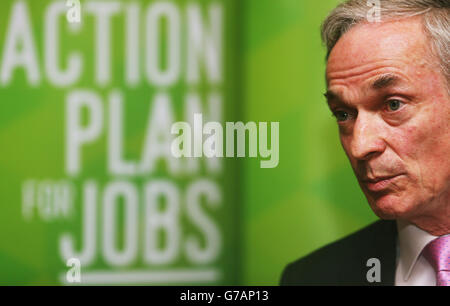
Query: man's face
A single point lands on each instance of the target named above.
(393, 109)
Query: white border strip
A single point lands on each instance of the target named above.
(107, 277)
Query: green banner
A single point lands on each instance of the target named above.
(89, 187)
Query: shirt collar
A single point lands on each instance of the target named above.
(412, 240)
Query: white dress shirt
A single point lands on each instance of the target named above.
(412, 268)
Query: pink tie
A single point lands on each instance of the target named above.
(437, 252)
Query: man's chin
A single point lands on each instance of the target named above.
(389, 207)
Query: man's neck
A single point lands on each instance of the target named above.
(435, 226)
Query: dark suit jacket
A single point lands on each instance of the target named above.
(345, 262)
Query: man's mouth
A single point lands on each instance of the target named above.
(381, 183)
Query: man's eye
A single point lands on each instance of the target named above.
(394, 105)
(341, 116)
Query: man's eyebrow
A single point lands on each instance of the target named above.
(330, 95)
(333, 98)
(385, 81)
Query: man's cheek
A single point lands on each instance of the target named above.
(346, 143)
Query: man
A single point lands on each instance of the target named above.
(388, 87)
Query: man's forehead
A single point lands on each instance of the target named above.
(367, 44)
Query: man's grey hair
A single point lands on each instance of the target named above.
(435, 13)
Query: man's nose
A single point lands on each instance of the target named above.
(367, 140)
